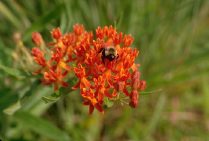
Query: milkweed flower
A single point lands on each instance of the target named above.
(55, 68)
(109, 78)
(104, 65)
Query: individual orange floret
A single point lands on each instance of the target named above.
(136, 85)
(127, 40)
(78, 29)
(37, 39)
(91, 101)
(38, 56)
(56, 33)
(55, 77)
(80, 72)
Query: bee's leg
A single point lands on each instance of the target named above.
(103, 59)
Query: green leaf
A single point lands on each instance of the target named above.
(48, 99)
(12, 72)
(156, 117)
(7, 97)
(52, 98)
(12, 108)
(41, 126)
(9, 15)
(43, 21)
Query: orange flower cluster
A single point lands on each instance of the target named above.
(104, 66)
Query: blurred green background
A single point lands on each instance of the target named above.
(173, 39)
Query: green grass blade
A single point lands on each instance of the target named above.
(43, 21)
(12, 72)
(8, 14)
(156, 116)
(41, 126)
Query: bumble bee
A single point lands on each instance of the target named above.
(109, 53)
